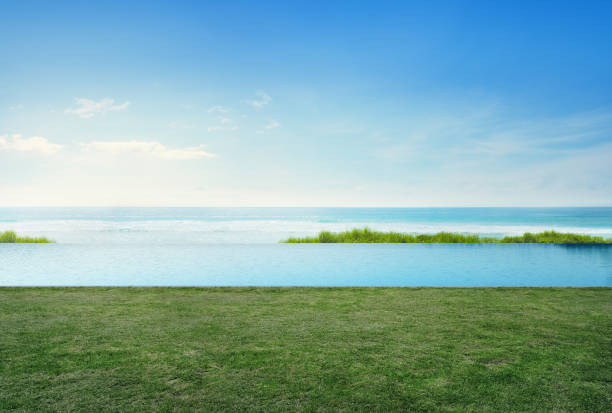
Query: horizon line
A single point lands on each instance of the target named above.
(306, 206)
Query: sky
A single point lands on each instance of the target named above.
(306, 103)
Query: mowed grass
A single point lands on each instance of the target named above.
(366, 235)
(10, 237)
(306, 349)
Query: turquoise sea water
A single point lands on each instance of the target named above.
(239, 246)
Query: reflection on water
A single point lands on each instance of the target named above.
(602, 253)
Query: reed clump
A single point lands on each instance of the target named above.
(10, 237)
(366, 235)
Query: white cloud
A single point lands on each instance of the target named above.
(224, 121)
(33, 144)
(219, 109)
(153, 149)
(273, 125)
(263, 100)
(16, 107)
(88, 108)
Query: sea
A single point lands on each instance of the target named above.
(183, 246)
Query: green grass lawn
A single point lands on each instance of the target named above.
(306, 349)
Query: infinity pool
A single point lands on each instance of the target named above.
(305, 265)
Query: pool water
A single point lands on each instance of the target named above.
(239, 247)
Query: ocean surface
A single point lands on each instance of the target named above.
(240, 246)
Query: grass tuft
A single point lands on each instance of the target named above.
(10, 237)
(366, 235)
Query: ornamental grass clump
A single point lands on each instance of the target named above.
(366, 235)
(10, 237)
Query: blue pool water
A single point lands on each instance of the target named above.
(239, 246)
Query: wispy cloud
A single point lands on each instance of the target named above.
(34, 144)
(496, 147)
(489, 135)
(87, 108)
(219, 109)
(226, 125)
(543, 136)
(263, 100)
(594, 118)
(147, 148)
(273, 125)
(17, 107)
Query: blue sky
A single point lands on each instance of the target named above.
(306, 103)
